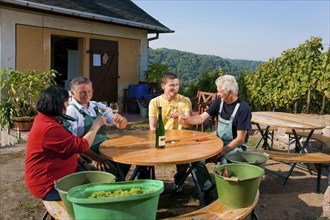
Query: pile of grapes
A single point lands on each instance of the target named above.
(118, 192)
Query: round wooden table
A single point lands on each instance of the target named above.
(182, 147)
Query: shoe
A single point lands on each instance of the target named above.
(177, 189)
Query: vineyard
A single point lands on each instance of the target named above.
(298, 81)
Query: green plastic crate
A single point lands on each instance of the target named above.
(143, 206)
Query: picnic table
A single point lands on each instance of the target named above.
(293, 122)
(289, 121)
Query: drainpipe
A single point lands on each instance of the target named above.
(151, 39)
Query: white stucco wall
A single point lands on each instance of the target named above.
(9, 18)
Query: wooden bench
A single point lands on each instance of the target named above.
(215, 210)
(306, 158)
(55, 209)
(318, 137)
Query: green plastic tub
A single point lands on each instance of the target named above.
(64, 184)
(142, 206)
(253, 158)
(240, 190)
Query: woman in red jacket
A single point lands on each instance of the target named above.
(51, 150)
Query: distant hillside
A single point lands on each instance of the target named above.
(189, 66)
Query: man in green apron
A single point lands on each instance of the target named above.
(85, 111)
(234, 121)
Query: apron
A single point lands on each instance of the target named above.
(101, 136)
(225, 132)
(65, 122)
(88, 122)
(225, 127)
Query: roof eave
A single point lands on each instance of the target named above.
(150, 28)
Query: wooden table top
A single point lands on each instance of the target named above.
(286, 120)
(182, 146)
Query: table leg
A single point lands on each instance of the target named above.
(44, 216)
(198, 187)
(150, 169)
(191, 170)
(152, 174)
(135, 173)
(264, 136)
(285, 177)
(254, 215)
(181, 181)
(121, 175)
(319, 174)
(302, 148)
(298, 144)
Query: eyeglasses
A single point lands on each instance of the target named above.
(172, 85)
(83, 92)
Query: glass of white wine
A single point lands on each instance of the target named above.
(103, 107)
(114, 107)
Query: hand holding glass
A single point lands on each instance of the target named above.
(114, 107)
(173, 112)
(103, 107)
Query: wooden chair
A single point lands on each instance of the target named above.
(203, 101)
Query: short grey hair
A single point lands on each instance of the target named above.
(227, 83)
(78, 81)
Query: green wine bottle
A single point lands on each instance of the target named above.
(160, 131)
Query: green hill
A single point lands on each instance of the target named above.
(188, 66)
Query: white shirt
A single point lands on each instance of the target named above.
(78, 126)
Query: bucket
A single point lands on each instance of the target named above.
(253, 158)
(240, 189)
(143, 112)
(141, 90)
(141, 206)
(64, 184)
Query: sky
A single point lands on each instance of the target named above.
(251, 30)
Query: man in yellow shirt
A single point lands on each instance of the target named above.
(173, 105)
(171, 102)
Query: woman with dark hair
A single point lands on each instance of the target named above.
(51, 150)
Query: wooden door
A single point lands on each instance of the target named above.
(104, 69)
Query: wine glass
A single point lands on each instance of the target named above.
(114, 107)
(181, 112)
(102, 107)
(172, 111)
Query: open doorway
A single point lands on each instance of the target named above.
(65, 59)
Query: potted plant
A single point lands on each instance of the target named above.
(19, 94)
(153, 75)
(154, 72)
